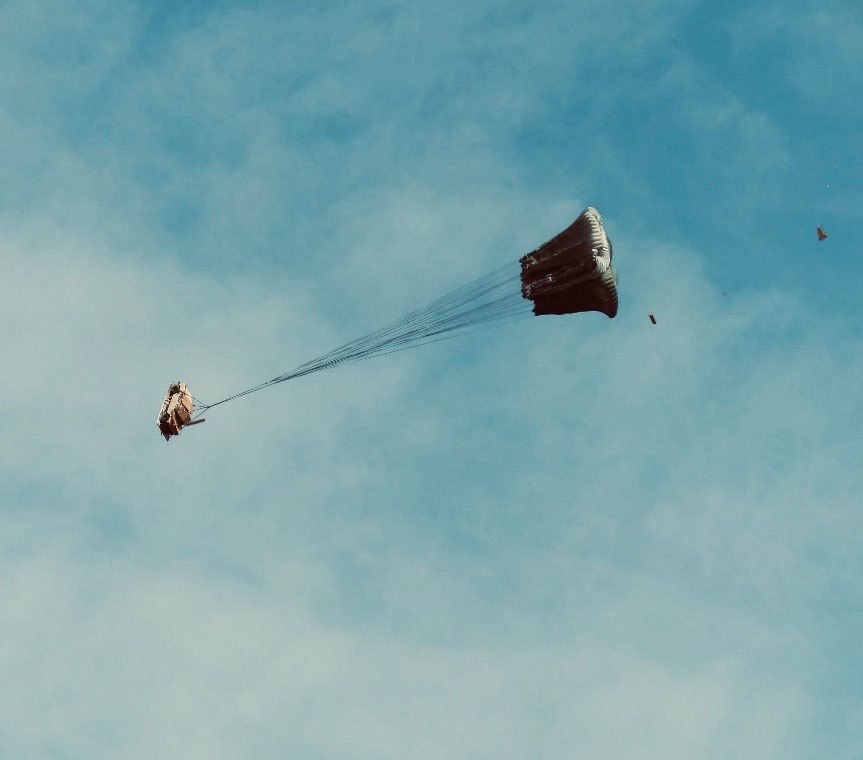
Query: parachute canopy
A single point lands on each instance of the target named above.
(571, 273)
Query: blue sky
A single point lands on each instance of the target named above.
(566, 537)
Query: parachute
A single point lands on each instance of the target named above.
(571, 273)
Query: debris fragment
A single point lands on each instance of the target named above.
(652, 318)
(821, 234)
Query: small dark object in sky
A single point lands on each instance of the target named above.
(652, 318)
(821, 234)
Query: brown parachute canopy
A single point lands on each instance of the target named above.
(571, 273)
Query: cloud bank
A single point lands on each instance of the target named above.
(566, 537)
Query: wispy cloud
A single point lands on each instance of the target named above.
(566, 536)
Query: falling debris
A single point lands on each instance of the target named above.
(821, 234)
(652, 318)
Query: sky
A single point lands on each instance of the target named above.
(563, 537)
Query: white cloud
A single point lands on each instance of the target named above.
(568, 535)
(275, 580)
